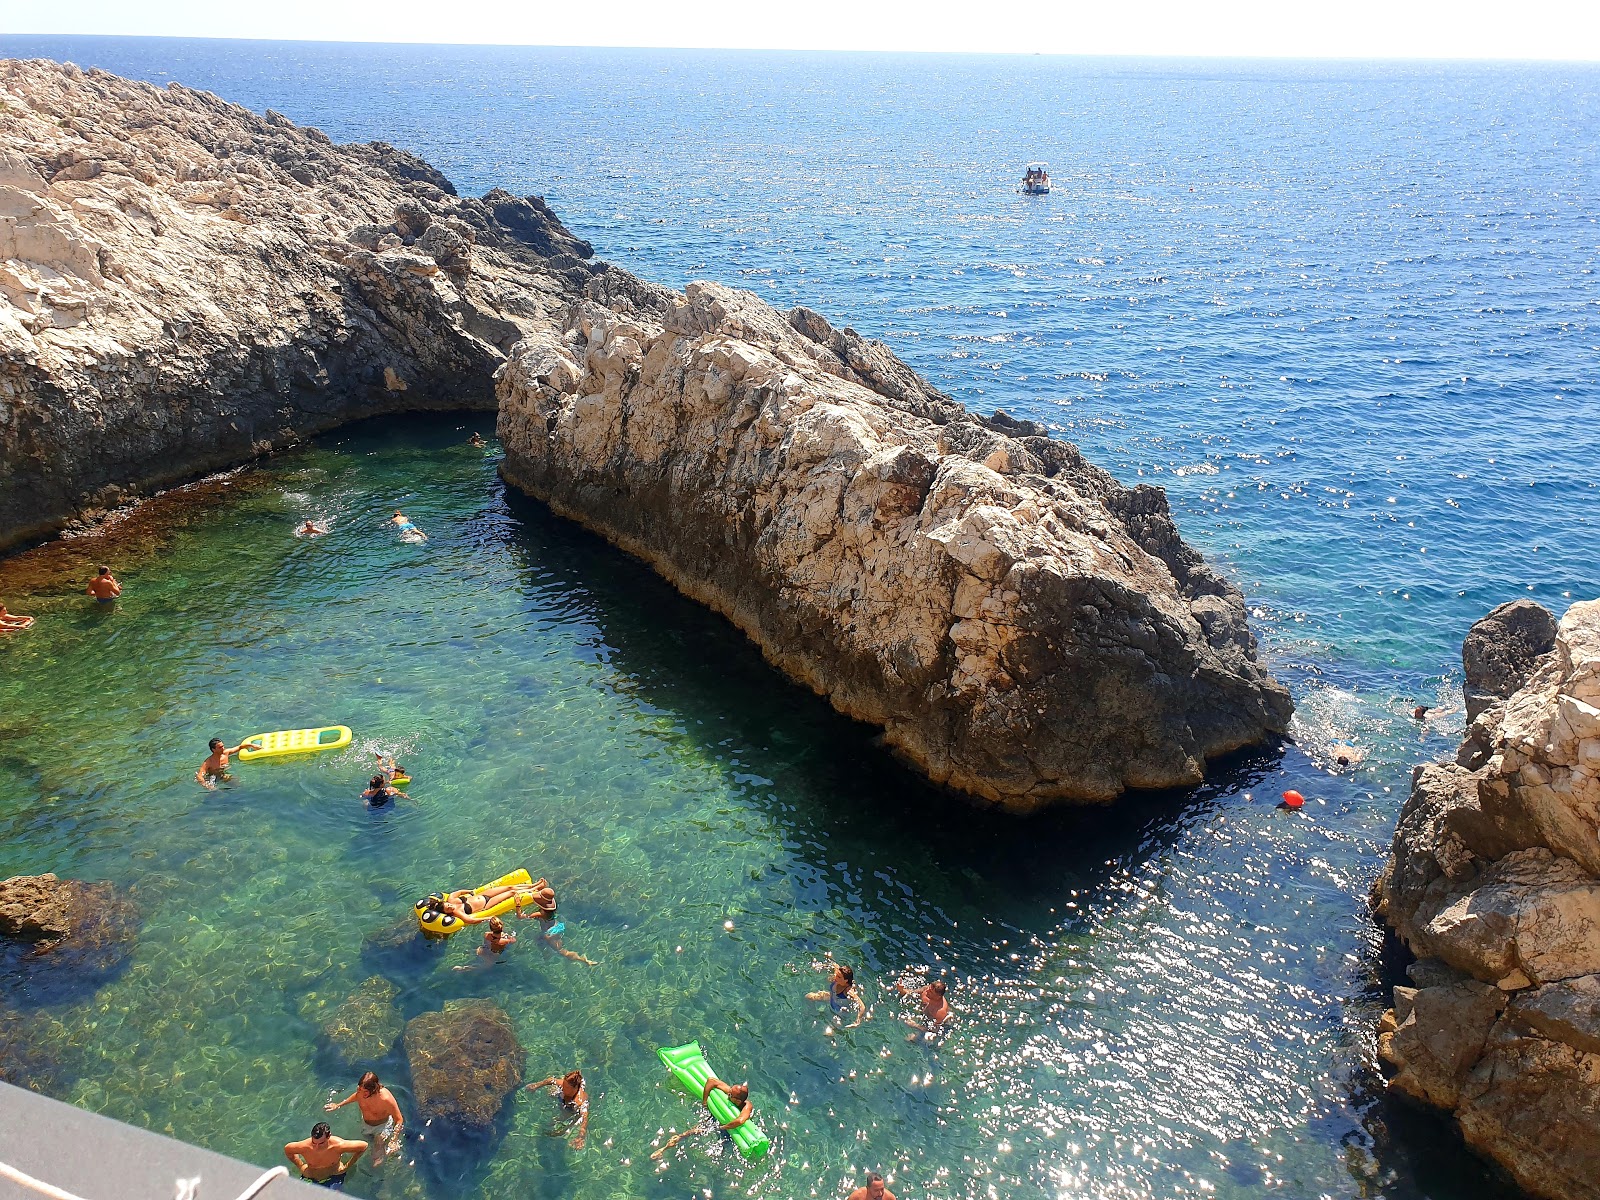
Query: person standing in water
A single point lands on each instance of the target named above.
(842, 991)
(739, 1093)
(104, 587)
(407, 529)
(495, 941)
(380, 1112)
(216, 766)
(320, 1159)
(875, 1190)
(935, 1009)
(573, 1100)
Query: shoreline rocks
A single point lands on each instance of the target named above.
(1494, 883)
(1024, 629)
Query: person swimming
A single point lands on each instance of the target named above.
(310, 529)
(215, 766)
(381, 792)
(9, 620)
(477, 440)
(573, 1099)
(550, 929)
(739, 1093)
(407, 529)
(842, 991)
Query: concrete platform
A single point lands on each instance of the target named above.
(97, 1158)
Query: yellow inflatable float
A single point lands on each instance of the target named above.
(435, 922)
(296, 741)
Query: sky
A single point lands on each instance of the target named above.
(1519, 29)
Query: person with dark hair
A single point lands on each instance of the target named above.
(11, 620)
(215, 767)
(842, 991)
(320, 1159)
(934, 1006)
(573, 1099)
(874, 1189)
(380, 1112)
(739, 1093)
(408, 531)
(380, 792)
(103, 587)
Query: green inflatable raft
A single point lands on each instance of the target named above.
(689, 1067)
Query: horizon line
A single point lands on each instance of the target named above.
(1101, 54)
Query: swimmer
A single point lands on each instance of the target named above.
(310, 529)
(13, 620)
(573, 1100)
(874, 1189)
(495, 941)
(320, 1159)
(381, 1113)
(380, 792)
(544, 902)
(1419, 713)
(477, 440)
(934, 1007)
(387, 767)
(407, 529)
(739, 1093)
(216, 766)
(842, 991)
(103, 587)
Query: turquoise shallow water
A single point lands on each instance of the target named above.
(1345, 313)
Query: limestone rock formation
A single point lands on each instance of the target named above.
(465, 1061)
(185, 284)
(1494, 882)
(1023, 628)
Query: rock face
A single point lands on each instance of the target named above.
(465, 1061)
(1494, 882)
(185, 284)
(1022, 627)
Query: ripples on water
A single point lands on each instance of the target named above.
(1343, 313)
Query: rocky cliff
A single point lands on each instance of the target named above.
(185, 284)
(1494, 883)
(1023, 628)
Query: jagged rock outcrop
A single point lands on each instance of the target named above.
(185, 284)
(1494, 882)
(1022, 627)
(465, 1061)
(64, 932)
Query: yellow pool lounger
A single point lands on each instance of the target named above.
(296, 741)
(437, 924)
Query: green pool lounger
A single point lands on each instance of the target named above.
(689, 1067)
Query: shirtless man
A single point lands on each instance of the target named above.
(103, 587)
(477, 440)
(321, 1157)
(216, 767)
(934, 1007)
(739, 1093)
(407, 529)
(573, 1099)
(380, 1112)
(310, 529)
(874, 1189)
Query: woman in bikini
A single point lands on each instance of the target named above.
(550, 929)
(468, 905)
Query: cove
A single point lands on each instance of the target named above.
(1175, 997)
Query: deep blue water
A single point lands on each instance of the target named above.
(1346, 314)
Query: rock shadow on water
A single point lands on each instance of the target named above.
(61, 940)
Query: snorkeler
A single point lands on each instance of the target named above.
(379, 1111)
(380, 792)
(572, 1098)
(739, 1093)
(407, 529)
(103, 587)
(842, 991)
(550, 929)
(216, 766)
(321, 1157)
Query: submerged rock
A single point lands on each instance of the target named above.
(1494, 880)
(83, 929)
(1023, 628)
(465, 1061)
(362, 1028)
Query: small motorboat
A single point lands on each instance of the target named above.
(1036, 179)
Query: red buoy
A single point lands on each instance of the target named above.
(1293, 800)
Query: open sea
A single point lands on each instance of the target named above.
(1345, 313)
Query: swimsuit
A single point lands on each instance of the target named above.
(334, 1183)
(838, 1001)
(105, 599)
(406, 526)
